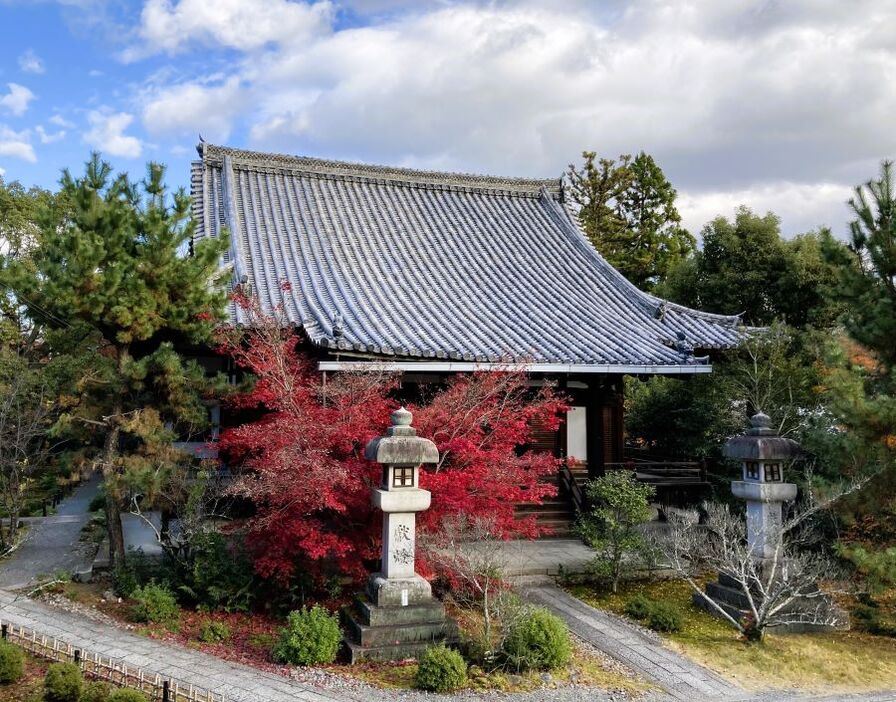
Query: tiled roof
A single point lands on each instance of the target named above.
(403, 263)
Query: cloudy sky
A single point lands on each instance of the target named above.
(780, 105)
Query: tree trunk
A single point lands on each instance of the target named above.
(113, 513)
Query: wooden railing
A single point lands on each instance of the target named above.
(664, 472)
(571, 487)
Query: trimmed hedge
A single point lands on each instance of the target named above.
(310, 637)
(441, 670)
(658, 615)
(95, 692)
(154, 604)
(12, 663)
(63, 683)
(538, 640)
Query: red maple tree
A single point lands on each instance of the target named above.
(302, 461)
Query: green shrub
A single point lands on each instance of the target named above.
(441, 670)
(310, 636)
(95, 692)
(154, 604)
(664, 617)
(97, 503)
(221, 575)
(638, 607)
(12, 663)
(134, 570)
(126, 695)
(537, 640)
(63, 683)
(214, 632)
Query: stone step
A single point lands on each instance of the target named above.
(370, 615)
(398, 652)
(431, 633)
(733, 596)
(700, 601)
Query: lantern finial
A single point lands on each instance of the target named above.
(401, 417)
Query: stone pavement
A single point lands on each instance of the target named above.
(546, 557)
(239, 683)
(52, 543)
(680, 677)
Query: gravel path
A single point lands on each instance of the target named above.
(53, 543)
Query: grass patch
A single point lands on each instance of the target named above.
(830, 661)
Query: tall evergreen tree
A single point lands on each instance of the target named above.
(627, 208)
(747, 267)
(864, 383)
(113, 274)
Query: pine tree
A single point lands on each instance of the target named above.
(627, 208)
(113, 275)
(862, 382)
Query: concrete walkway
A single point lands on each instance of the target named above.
(53, 543)
(680, 677)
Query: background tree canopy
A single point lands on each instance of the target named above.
(627, 209)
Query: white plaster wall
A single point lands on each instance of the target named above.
(576, 434)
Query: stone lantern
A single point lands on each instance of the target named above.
(762, 454)
(398, 618)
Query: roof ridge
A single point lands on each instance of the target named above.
(332, 167)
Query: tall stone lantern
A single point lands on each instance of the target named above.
(398, 617)
(762, 454)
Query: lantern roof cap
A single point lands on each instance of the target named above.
(401, 445)
(760, 443)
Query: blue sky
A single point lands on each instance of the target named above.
(778, 105)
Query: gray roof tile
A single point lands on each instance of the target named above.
(433, 265)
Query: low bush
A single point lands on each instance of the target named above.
(126, 695)
(12, 663)
(214, 632)
(537, 640)
(638, 607)
(154, 604)
(658, 615)
(664, 617)
(311, 636)
(441, 670)
(63, 683)
(97, 503)
(95, 692)
(134, 570)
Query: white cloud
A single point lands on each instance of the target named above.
(2, 172)
(194, 108)
(768, 104)
(171, 26)
(16, 144)
(801, 206)
(49, 137)
(107, 134)
(17, 99)
(60, 121)
(30, 62)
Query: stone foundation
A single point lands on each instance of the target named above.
(395, 619)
